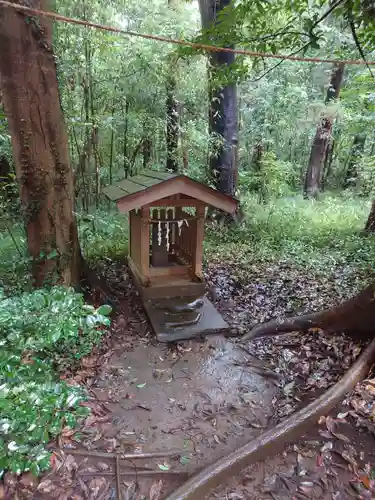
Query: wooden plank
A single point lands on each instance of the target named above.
(138, 279)
(145, 181)
(171, 229)
(135, 241)
(131, 229)
(180, 288)
(113, 192)
(182, 202)
(163, 176)
(144, 258)
(182, 253)
(166, 271)
(197, 257)
(130, 187)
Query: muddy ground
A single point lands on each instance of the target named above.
(197, 401)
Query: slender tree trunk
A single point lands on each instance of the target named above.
(328, 163)
(112, 142)
(125, 140)
(322, 138)
(40, 145)
(183, 144)
(172, 123)
(223, 119)
(370, 224)
(146, 151)
(355, 155)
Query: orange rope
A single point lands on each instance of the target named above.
(158, 38)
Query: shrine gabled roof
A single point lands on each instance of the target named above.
(150, 186)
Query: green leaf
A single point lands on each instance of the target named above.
(35, 469)
(164, 467)
(104, 310)
(140, 386)
(184, 460)
(52, 255)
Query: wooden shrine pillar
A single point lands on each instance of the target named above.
(197, 247)
(144, 257)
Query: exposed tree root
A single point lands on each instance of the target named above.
(355, 317)
(274, 440)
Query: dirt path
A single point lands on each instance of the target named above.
(203, 399)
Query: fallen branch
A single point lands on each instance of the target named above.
(125, 456)
(137, 473)
(274, 440)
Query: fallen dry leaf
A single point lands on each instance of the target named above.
(365, 481)
(89, 361)
(96, 485)
(46, 486)
(155, 490)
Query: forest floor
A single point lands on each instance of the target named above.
(200, 400)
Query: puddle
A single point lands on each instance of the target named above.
(205, 400)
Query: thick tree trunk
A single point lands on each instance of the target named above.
(223, 119)
(355, 317)
(370, 224)
(40, 145)
(355, 155)
(322, 138)
(172, 124)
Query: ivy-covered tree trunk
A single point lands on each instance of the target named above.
(40, 145)
(172, 124)
(172, 108)
(223, 113)
(322, 138)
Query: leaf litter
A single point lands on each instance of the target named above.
(304, 365)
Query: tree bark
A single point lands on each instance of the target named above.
(370, 224)
(40, 145)
(146, 151)
(223, 113)
(322, 138)
(172, 124)
(355, 317)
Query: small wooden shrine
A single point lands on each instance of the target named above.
(166, 231)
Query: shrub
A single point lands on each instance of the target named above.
(40, 333)
(104, 234)
(273, 179)
(366, 176)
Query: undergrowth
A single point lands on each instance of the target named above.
(311, 233)
(41, 334)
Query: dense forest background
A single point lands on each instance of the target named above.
(294, 141)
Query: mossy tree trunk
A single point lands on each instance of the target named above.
(172, 123)
(223, 110)
(40, 145)
(322, 138)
